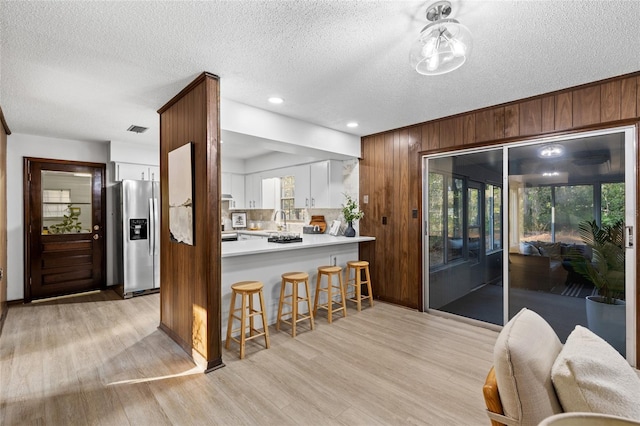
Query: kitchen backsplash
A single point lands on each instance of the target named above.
(263, 219)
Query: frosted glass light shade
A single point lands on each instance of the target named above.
(442, 47)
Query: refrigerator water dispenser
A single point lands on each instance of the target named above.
(137, 229)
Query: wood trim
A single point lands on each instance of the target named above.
(5, 126)
(190, 299)
(46, 163)
(199, 79)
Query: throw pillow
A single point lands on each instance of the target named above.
(523, 355)
(591, 376)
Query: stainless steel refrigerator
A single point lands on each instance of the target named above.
(137, 236)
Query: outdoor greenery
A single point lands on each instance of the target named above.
(606, 268)
(573, 204)
(70, 222)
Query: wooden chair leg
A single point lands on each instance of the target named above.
(264, 320)
(227, 344)
(243, 324)
(294, 308)
(306, 284)
(315, 302)
(366, 273)
(342, 295)
(329, 298)
(280, 305)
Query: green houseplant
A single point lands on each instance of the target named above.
(351, 212)
(606, 312)
(606, 269)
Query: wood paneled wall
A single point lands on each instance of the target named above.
(391, 170)
(4, 131)
(190, 276)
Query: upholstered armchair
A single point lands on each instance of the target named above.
(535, 376)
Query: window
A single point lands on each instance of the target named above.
(287, 199)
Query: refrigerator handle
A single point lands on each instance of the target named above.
(156, 227)
(152, 227)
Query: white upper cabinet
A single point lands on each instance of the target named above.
(270, 193)
(237, 191)
(233, 184)
(131, 171)
(253, 191)
(319, 185)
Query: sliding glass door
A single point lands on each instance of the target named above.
(513, 227)
(464, 241)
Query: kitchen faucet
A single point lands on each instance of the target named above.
(283, 216)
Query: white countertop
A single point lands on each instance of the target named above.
(258, 246)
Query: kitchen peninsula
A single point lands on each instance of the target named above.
(258, 259)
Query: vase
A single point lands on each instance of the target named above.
(608, 321)
(350, 232)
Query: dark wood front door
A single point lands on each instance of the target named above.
(64, 204)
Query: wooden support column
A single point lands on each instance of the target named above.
(190, 275)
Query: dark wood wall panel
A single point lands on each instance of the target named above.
(531, 117)
(391, 169)
(548, 106)
(610, 101)
(563, 117)
(629, 99)
(190, 275)
(586, 106)
(430, 136)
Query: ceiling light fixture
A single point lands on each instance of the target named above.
(352, 124)
(276, 100)
(551, 151)
(443, 45)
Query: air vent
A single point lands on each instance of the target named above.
(137, 129)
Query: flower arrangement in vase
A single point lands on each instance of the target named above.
(351, 212)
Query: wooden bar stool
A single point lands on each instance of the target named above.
(329, 271)
(358, 266)
(293, 300)
(246, 289)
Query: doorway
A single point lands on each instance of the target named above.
(538, 196)
(64, 217)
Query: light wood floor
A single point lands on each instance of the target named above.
(98, 359)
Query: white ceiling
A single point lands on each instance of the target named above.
(88, 70)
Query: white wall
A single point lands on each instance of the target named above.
(18, 147)
(247, 120)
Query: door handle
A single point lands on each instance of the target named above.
(629, 236)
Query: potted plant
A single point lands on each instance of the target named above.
(606, 270)
(351, 212)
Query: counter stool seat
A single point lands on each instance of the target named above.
(293, 300)
(358, 266)
(332, 291)
(247, 290)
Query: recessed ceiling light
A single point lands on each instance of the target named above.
(352, 124)
(550, 174)
(276, 100)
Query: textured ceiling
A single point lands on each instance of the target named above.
(88, 70)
